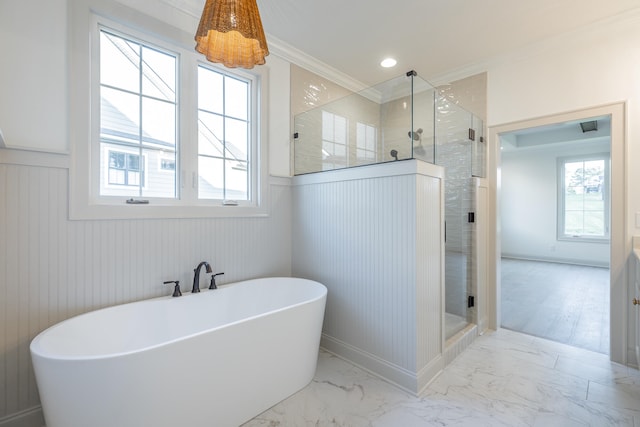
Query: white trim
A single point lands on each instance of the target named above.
(620, 244)
(295, 56)
(45, 159)
(377, 170)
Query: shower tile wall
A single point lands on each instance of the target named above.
(52, 268)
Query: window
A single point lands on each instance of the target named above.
(153, 120)
(335, 153)
(125, 169)
(223, 135)
(138, 113)
(584, 198)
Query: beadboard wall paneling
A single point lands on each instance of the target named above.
(52, 268)
(360, 237)
(430, 272)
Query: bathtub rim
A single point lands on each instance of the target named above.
(36, 350)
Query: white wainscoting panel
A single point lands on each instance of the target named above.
(376, 243)
(52, 268)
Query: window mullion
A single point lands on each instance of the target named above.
(188, 121)
(140, 118)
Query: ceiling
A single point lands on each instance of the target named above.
(433, 37)
(559, 135)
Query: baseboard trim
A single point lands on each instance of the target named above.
(31, 417)
(459, 343)
(557, 260)
(412, 382)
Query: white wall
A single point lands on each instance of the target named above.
(33, 76)
(529, 208)
(584, 69)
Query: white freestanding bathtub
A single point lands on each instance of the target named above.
(213, 359)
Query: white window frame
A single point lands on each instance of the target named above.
(606, 194)
(85, 16)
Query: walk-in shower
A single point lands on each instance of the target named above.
(400, 119)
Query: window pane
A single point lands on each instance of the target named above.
(236, 93)
(594, 224)
(119, 62)
(210, 134)
(210, 90)
(584, 201)
(119, 116)
(573, 223)
(116, 176)
(132, 115)
(158, 123)
(210, 178)
(237, 184)
(133, 162)
(158, 74)
(236, 139)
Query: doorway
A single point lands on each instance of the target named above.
(555, 232)
(619, 246)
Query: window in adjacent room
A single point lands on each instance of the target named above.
(584, 198)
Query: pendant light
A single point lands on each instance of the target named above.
(230, 33)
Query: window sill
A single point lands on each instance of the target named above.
(578, 239)
(80, 209)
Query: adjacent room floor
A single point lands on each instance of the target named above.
(504, 378)
(561, 302)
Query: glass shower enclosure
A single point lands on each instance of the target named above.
(401, 119)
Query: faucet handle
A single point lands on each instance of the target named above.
(213, 281)
(176, 290)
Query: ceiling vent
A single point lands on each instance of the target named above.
(589, 126)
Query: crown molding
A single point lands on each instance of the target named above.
(281, 49)
(308, 62)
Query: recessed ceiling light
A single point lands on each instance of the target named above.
(388, 63)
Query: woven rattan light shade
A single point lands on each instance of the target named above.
(230, 32)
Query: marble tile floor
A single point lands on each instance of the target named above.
(504, 378)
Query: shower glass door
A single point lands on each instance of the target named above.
(458, 135)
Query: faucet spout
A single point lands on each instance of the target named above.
(196, 275)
